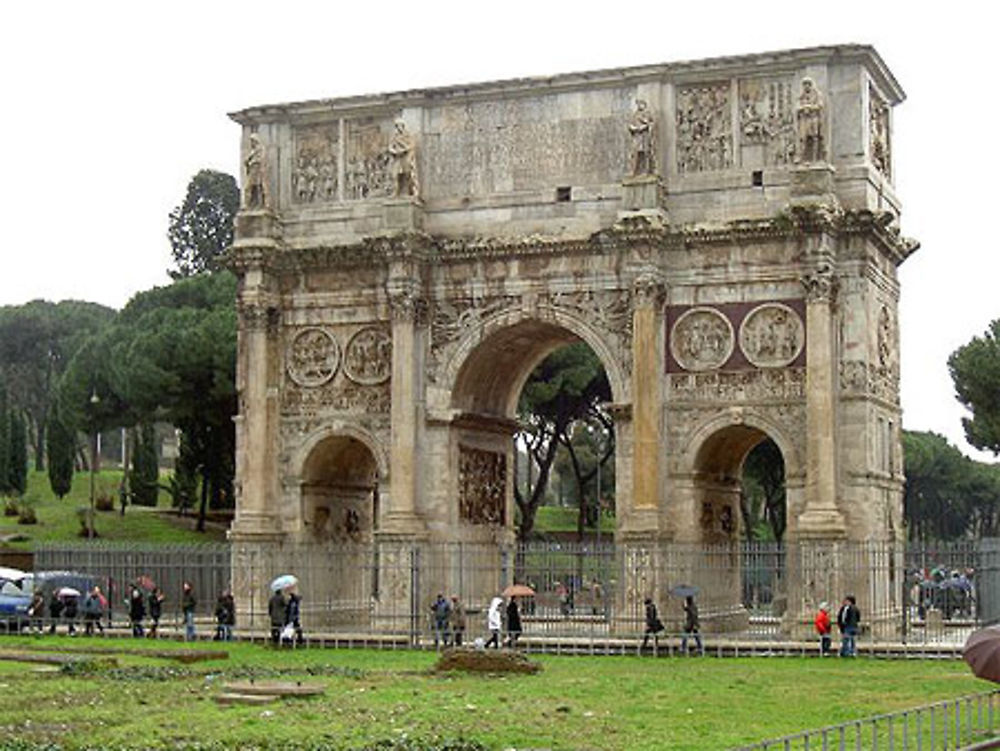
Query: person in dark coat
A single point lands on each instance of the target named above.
(136, 610)
(225, 617)
(276, 613)
(691, 626)
(188, 604)
(71, 607)
(36, 611)
(848, 621)
(457, 620)
(513, 623)
(55, 611)
(653, 624)
(293, 613)
(156, 598)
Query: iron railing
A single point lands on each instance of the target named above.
(968, 722)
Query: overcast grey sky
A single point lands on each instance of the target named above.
(109, 108)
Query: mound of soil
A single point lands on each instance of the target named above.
(485, 661)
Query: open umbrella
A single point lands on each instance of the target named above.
(285, 581)
(146, 582)
(518, 590)
(67, 592)
(685, 590)
(982, 652)
(11, 575)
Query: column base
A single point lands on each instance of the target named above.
(822, 524)
(257, 224)
(406, 526)
(255, 527)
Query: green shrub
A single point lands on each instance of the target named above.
(10, 507)
(104, 502)
(26, 515)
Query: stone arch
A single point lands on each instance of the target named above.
(340, 474)
(342, 429)
(477, 383)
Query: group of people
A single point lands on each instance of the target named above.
(143, 601)
(448, 621)
(496, 614)
(65, 607)
(284, 611)
(692, 626)
(848, 623)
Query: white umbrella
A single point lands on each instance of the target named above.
(12, 574)
(283, 582)
(68, 592)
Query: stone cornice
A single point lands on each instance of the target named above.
(677, 71)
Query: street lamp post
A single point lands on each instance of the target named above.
(94, 401)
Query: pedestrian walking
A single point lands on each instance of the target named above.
(823, 628)
(848, 621)
(513, 623)
(457, 621)
(136, 610)
(653, 624)
(293, 613)
(188, 604)
(156, 598)
(36, 611)
(494, 622)
(440, 617)
(71, 608)
(225, 616)
(691, 626)
(55, 611)
(92, 611)
(276, 607)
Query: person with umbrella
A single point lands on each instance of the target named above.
(71, 604)
(293, 613)
(691, 625)
(513, 623)
(55, 610)
(276, 613)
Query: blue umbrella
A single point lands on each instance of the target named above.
(284, 581)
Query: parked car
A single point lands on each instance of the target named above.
(18, 587)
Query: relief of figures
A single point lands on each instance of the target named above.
(314, 176)
(809, 118)
(642, 157)
(366, 168)
(701, 339)
(886, 339)
(482, 478)
(767, 119)
(878, 124)
(313, 357)
(704, 129)
(772, 336)
(368, 356)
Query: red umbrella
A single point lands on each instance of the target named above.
(518, 590)
(146, 582)
(982, 652)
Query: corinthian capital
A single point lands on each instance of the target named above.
(648, 290)
(406, 304)
(820, 284)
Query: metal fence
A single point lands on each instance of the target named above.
(751, 593)
(969, 722)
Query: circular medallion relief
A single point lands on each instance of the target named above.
(772, 335)
(368, 356)
(313, 357)
(701, 339)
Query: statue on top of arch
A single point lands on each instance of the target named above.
(809, 116)
(641, 128)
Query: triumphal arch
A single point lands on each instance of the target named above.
(723, 234)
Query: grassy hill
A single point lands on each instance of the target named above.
(58, 520)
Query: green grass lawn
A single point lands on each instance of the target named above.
(562, 519)
(58, 521)
(573, 703)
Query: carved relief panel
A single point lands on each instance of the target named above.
(482, 482)
(326, 376)
(772, 335)
(878, 133)
(701, 339)
(314, 173)
(367, 159)
(704, 128)
(767, 121)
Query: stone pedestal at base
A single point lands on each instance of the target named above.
(822, 524)
(813, 184)
(254, 225)
(404, 213)
(642, 197)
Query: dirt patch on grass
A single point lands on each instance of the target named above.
(485, 661)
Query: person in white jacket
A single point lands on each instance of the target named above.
(494, 622)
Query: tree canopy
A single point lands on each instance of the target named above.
(201, 228)
(975, 371)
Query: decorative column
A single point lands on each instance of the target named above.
(821, 517)
(406, 306)
(648, 295)
(257, 369)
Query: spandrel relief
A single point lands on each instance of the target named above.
(313, 357)
(482, 479)
(314, 174)
(767, 119)
(701, 339)
(704, 128)
(772, 335)
(878, 135)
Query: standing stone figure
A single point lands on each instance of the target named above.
(809, 119)
(640, 128)
(255, 174)
(403, 152)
